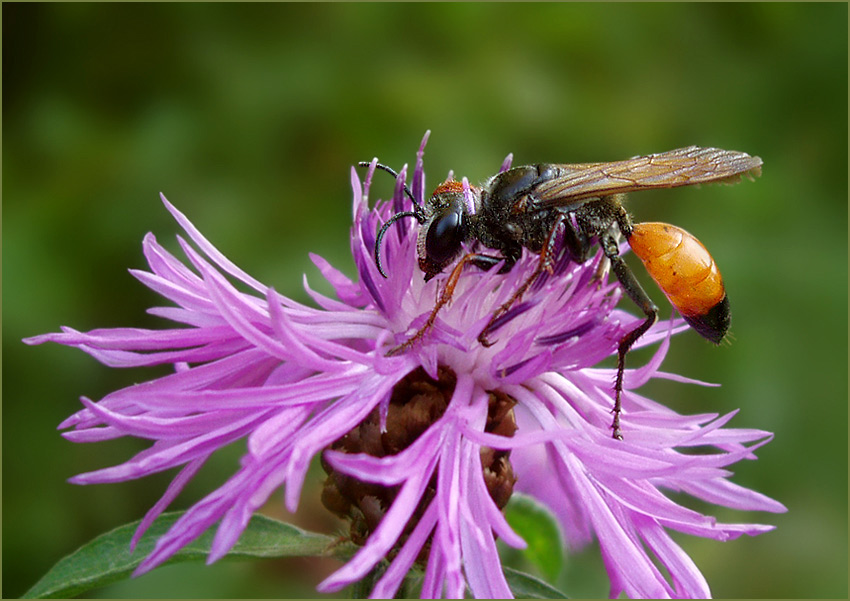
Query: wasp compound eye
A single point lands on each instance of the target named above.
(444, 237)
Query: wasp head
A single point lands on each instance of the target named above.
(444, 225)
(444, 230)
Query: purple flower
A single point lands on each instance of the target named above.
(425, 447)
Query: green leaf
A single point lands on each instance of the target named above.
(539, 528)
(526, 586)
(108, 559)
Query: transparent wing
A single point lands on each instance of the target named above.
(681, 167)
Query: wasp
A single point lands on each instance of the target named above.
(525, 208)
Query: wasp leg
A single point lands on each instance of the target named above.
(544, 264)
(488, 262)
(481, 261)
(604, 267)
(578, 244)
(641, 299)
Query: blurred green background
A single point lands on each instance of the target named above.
(248, 117)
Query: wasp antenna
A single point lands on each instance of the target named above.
(383, 229)
(394, 173)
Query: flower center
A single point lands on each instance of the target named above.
(417, 401)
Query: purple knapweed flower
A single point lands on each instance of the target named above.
(424, 447)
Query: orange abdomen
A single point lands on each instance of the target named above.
(685, 271)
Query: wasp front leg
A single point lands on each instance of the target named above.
(482, 261)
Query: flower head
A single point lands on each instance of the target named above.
(422, 447)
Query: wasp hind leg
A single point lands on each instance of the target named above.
(635, 292)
